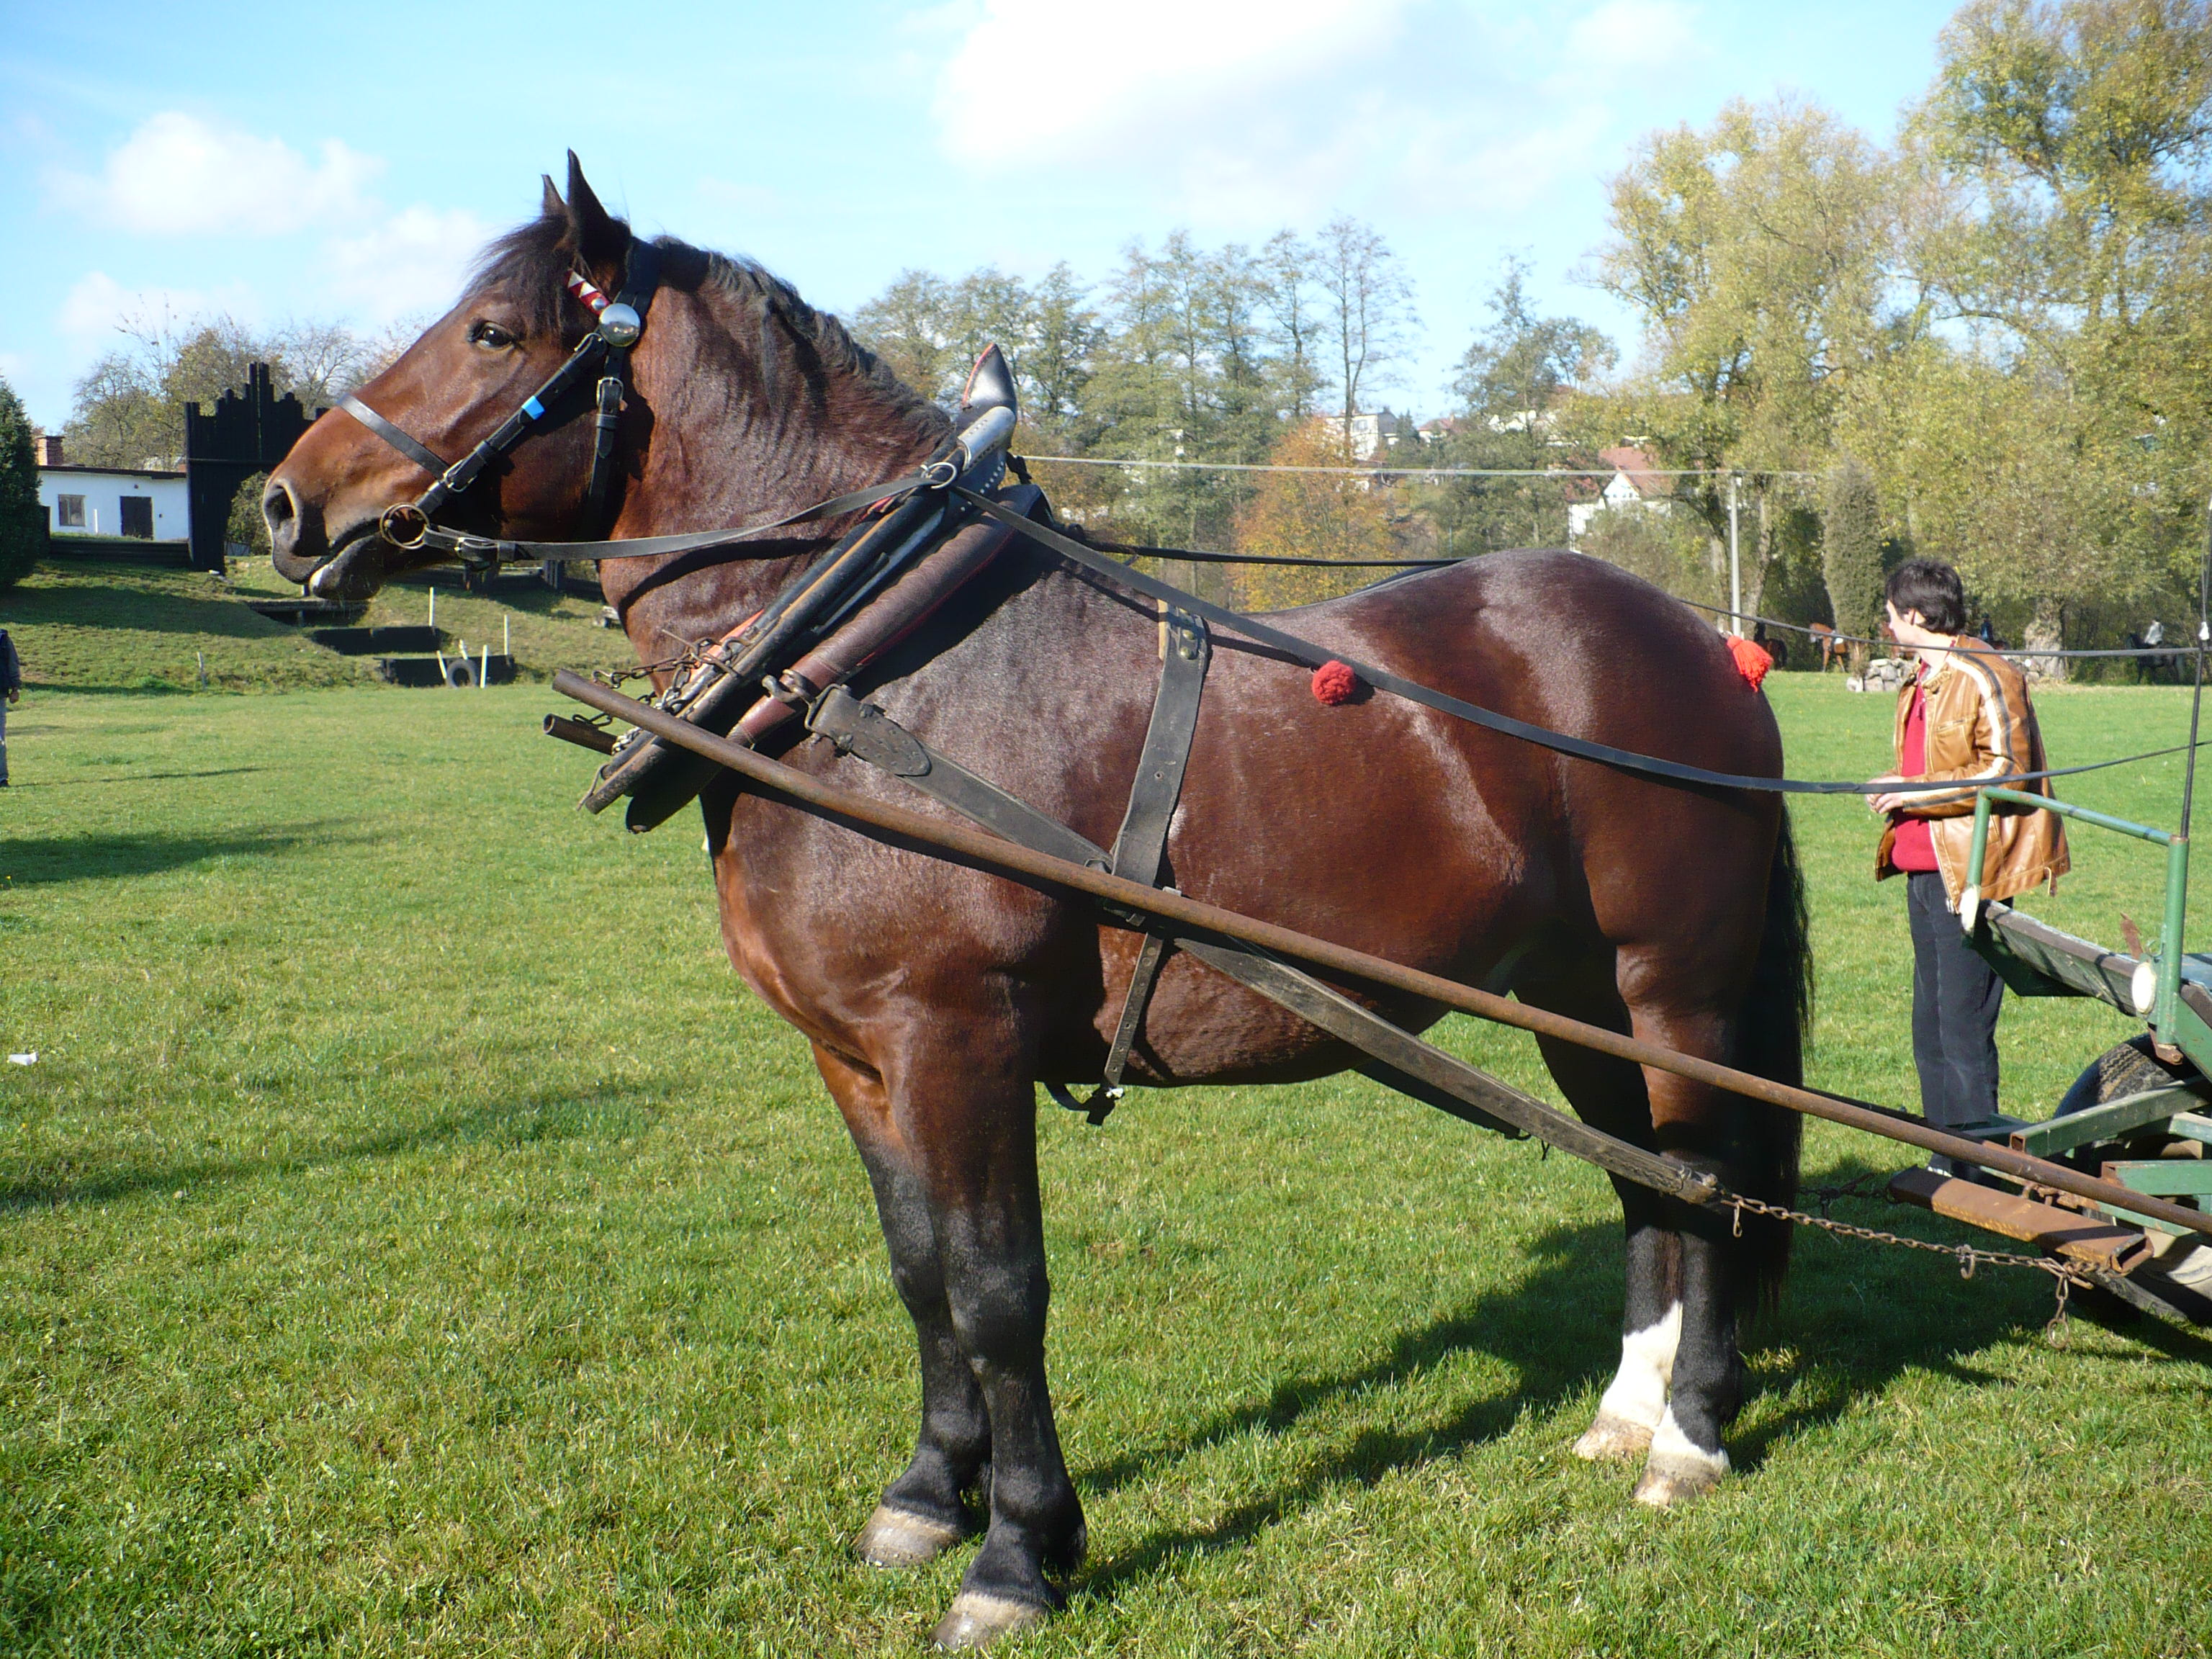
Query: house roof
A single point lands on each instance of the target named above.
(113, 471)
(1635, 467)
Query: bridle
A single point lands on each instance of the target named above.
(620, 322)
(412, 525)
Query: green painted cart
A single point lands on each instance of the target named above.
(2139, 1115)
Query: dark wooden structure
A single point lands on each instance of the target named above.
(246, 432)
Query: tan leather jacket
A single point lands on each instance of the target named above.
(1980, 727)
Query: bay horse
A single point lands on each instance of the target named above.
(937, 997)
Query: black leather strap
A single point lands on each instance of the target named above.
(1314, 656)
(1143, 840)
(428, 459)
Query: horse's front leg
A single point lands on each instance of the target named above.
(924, 1512)
(964, 1103)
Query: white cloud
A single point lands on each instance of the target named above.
(97, 306)
(1623, 37)
(178, 174)
(410, 262)
(1093, 79)
(1242, 116)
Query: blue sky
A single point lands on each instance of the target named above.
(343, 162)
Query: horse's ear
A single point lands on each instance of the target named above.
(551, 205)
(599, 239)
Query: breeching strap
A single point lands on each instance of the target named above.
(989, 852)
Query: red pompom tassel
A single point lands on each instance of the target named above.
(1334, 683)
(1751, 660)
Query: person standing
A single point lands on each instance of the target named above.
(11, 687)
(1964, 717)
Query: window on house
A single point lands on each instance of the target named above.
(69, 512)
(137, 516)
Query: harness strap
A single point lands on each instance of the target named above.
(1314, 656)
(428, 459)
(1143, 839)
(1439, 1078)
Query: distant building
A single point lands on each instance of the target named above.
(1634, 487)
(144, 503)
(1375, 434)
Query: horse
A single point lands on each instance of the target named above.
(937, 997)
(1823, 637)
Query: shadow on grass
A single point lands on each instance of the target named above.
(519, 1123)
(1857, 1315)
(139, 777)
(47, 860)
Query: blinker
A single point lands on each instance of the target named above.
(620, 324)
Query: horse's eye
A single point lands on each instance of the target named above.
(490, 336)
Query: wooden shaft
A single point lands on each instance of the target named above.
(991, 851)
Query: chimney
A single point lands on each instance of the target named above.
(49, 450)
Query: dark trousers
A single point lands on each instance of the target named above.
(1955, 999)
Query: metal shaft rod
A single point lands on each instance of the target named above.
(1005, 856)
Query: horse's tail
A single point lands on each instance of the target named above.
(1776, 1018)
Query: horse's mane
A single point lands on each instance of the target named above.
(532, 262)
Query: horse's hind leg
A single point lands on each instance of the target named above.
(1609, 1094)
(1679, 1377)
(924, 1512)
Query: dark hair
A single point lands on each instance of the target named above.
(1932, 588)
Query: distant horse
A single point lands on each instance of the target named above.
(2158, 665)
(1824, 639)
(937, 997)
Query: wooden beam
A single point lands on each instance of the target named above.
(2054, 1231)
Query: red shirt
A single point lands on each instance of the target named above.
(1914, 847)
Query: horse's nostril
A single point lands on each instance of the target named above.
(277, 506)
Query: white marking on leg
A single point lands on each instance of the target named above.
(1671, 1445)
(1638, 1393)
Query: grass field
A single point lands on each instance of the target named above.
(86, 626)
(413, 1239)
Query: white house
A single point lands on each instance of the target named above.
(144, 503)
(1633, 486)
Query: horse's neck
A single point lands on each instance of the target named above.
(720, 454)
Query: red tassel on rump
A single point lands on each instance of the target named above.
(1751, 660)
(1334, 683)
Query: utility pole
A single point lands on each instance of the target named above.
(1736, 567)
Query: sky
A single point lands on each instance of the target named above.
(344, 163)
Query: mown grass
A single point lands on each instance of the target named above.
(416, 1240)
(86, 625)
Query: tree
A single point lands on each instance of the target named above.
(1757, 252)
(1369, 306)
(129, 406)
(1326, 515)
(1512, 383)
(2062, 220)
(22, 520)
(1851, 552)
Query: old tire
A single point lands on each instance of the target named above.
(2129, 1069)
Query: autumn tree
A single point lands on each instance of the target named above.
(1333, 513)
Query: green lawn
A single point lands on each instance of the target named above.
(87, 625)
(413, 1239)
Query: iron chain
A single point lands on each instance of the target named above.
(1968, 1256)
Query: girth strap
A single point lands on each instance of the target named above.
(1185, 653)
(1394, 1057)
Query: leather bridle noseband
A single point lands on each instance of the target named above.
(619, 323)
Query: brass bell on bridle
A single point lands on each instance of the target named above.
(620, 324)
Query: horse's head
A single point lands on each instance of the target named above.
(471, 370)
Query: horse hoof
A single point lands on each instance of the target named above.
(1613, 1439)
(895, 1538)
(975, 1620)
(1672, 1478)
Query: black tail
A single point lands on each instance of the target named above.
(1777, 1017)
